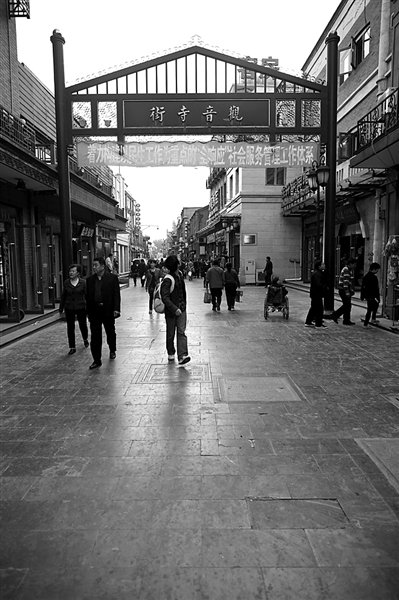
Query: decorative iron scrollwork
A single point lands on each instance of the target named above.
(19, 8)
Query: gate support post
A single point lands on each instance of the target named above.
(329, 210)
(62, 155)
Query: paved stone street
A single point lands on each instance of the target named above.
(267, 468)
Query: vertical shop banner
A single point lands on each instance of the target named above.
(197, 154)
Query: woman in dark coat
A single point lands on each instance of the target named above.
(231, 283)
(73, 300)
(152, 279)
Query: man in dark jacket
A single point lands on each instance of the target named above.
(268, 271)
(142, 268)
(103, 307)
(214, 280)
(317, 293)
(370, 291)
(175, 311)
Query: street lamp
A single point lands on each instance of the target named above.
(318, 177)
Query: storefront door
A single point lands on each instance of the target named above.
(28, 254)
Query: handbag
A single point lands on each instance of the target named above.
(207, 297)
(239, 294)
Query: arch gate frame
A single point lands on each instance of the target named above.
(197, 91)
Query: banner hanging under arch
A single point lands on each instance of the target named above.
(197, 154)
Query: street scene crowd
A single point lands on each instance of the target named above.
(98, 297)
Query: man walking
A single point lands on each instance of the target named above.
(175, 301)
(268, 271)
(142, 268)
(370, 291)
(103, 307)
(214, 279)
(346, 291)
(317, 292)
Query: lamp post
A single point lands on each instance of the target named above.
(62, 152)
(331, 146)
(318, 177)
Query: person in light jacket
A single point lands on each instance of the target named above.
(175, 311)
(346, 291)
(73, 301)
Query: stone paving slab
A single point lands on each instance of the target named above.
(385, 453)
(258, 470)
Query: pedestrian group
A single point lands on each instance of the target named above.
(98, 298)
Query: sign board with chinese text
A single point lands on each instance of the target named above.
(197, 114)
(196, 91)
(208, 154)
(86, 231)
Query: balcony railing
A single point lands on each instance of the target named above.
(25, 137)
(120, 212)
(91, 178)
(296, 192)
(17, 131)
(379, 121)
(217, 173)
(22, 135)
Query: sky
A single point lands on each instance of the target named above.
(103, 36)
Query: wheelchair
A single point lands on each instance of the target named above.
(276, 300)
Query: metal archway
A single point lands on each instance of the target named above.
(198, 91)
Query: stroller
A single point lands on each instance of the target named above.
(276, 299)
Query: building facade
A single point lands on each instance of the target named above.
(197, 244)
(30, 229)
(245, 223)
(183, 233)
(366, 203)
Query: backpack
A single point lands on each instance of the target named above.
(159, 305)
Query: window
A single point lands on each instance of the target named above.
(222, 196)
(249, 239)
(345, 68)
(237, 181)
(351, 57)
(360, 47)
(275, 176)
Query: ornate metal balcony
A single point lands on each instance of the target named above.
(216, 175)
(21, 134)
(17, 131)
(379, 121)
(18, 8)
(298, 199)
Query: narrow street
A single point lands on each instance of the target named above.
(267, 468)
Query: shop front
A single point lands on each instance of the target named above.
(83, 246)
(28, 262)
(105, 241)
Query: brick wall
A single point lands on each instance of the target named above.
(37, 102)
(9, 93)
